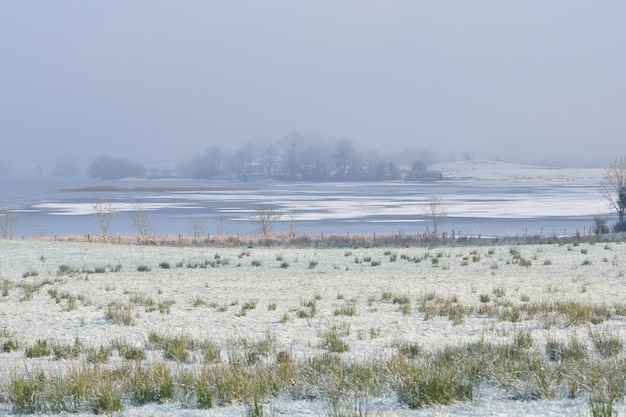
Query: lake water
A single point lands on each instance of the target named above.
(486, 208)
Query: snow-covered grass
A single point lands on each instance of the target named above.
(485, 170)
(162, 330)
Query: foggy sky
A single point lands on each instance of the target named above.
(156, 80)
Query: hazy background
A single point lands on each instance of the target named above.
(159, 81)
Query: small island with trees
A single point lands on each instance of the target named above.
(293, 158)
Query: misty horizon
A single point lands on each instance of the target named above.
(403, 159)
(160, 82)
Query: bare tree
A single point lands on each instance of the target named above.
(8, 221)
(290, 147)
(105, 214)
(242, 159)
(212, 161)
(207, 165)
(434, 212)
(613, 190)
(220, 226)
(293, 221)
(198, 228)
(265, 216)
(141, 220)
(343, 154)
(270, 156)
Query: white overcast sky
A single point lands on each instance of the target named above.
(156, 80)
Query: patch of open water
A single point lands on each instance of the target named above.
(486, 208)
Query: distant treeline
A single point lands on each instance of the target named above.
(291, 159)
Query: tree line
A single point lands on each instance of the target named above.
(293, 158)
(345, 163)
(612, 190)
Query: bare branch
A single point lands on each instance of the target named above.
(198, 228)
(265, 216)
(613, 189)
(141, 220)
(293, 220)
(105, 214)
(434, 212)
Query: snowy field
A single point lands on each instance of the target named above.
(378, 298)
(486, 170)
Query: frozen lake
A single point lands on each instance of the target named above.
(487, 205)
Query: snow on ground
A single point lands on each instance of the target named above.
(483, 170)
(585, 272)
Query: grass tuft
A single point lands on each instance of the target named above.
(38, 349)
(606, 342)
(119, 313)
(332, 341)
(67, 351)
(128, 351)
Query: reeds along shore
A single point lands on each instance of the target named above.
(330, 241)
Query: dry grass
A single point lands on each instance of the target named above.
(533, 342)
(305, 240)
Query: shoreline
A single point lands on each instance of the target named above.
(291, 240)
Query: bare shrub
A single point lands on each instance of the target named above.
(105, 214)
(265, 217)
(198, 229)
(613, 190)
(434, 212)
(8, 220)
(141, 221)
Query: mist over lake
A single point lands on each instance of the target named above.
(515, 203)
